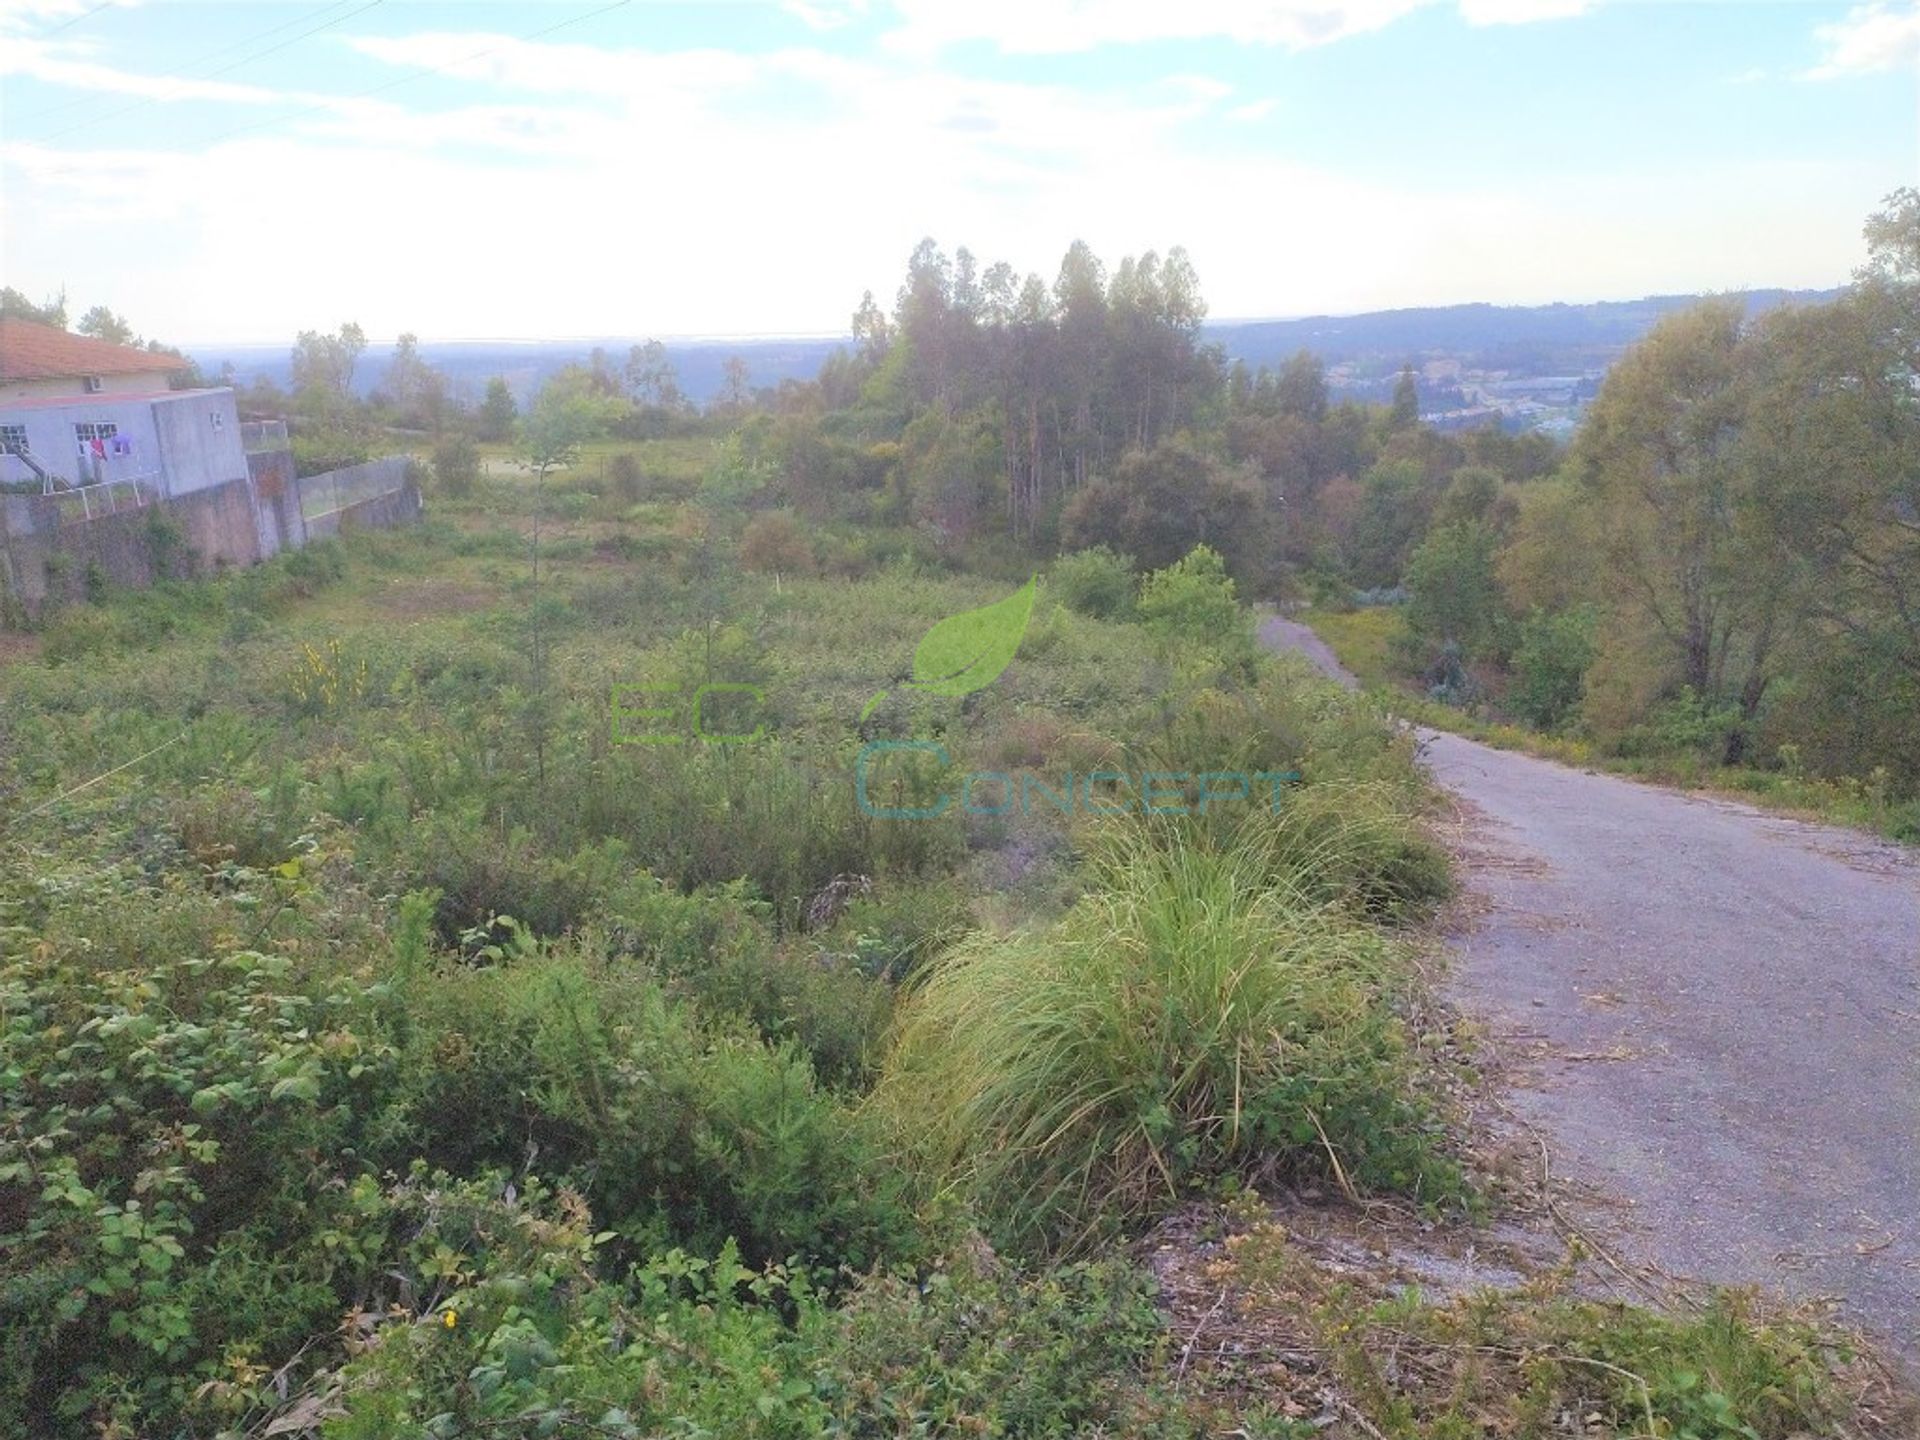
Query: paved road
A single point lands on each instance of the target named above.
(1724, 1008)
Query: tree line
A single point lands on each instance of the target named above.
(1729, 553)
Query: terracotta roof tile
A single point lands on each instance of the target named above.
(40, 352)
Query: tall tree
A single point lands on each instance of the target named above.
(1834, 442)
(1405, 411)
(16, 306)
(323, 365)
(1680, 529)
(651, 377)
(1300, 390)
(102, 324)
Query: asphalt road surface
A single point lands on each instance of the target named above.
(1719, 1011)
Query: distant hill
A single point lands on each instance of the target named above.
(1527, 340)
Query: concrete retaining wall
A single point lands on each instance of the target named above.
(49, 549)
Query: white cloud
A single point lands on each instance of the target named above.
(824, 14)
(1521, 12)
(1872, 38)
(51, 64)
(1042, 27)
(44, 15)
(1045, 27)
(625, 191)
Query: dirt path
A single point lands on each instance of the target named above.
(1723, 1010)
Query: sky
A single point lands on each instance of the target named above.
(236, 172)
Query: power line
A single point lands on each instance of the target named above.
(224, 69)
(192, 71)
(409, 79)
(83, 15)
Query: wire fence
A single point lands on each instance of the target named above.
(337, 490)
(260, 436)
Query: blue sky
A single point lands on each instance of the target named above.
(239, 171)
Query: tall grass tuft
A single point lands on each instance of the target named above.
(1191, 1017)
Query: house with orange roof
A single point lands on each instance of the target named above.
(76, 412)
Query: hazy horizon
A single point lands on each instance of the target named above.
(233, 173)
(623, 337)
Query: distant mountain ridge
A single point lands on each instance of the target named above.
(1526, 340)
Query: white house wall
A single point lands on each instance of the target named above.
(178, 446)
(199, 439)
(50, 440)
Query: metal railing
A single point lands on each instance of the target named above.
(259, 436)
(109, 497)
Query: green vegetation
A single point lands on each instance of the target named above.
(1197, 1013)
(428, 1005)
(385, 985)
(1518, 1362)
(1716, 585)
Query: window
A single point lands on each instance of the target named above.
(94, 385)
(219, 420)
(13, 439)
(87, 430)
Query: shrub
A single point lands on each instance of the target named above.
(1453, 597)
(1550, 664)
(1186, 1019)
(625, 479)
(676, 1129)
(166, 1119)
(702, 1345)
(456, 466)
(1192, 608)
(1095, 582)
(773, 543)
(719, 948)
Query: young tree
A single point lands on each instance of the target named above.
(498, 411)
(456, 465)
(411, 382)
(735, 393)
(1452, 596)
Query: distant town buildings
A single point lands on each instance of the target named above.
(1455, 396)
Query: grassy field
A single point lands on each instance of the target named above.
(672, 464)
(403, 1033)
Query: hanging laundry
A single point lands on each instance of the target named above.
(99, 448)
(122, 446)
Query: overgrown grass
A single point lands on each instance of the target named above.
(1363, 639)
(1542, 1359)
(354, 976)
(1201, 1011)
